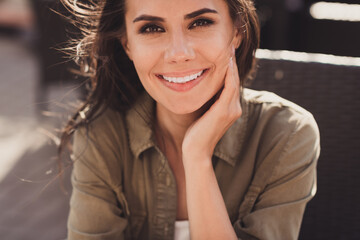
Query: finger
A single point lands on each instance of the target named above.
(235, 71)
(228, 97)
(232, 82)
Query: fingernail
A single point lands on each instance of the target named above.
(231, 62)
(233, 50)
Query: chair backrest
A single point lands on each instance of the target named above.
(331, 92)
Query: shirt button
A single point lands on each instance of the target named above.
(168, 181)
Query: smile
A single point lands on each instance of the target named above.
(183, 79)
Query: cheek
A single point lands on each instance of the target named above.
(218, 58)
(145, 57)
(216, 48)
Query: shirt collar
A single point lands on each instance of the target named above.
(140, 120)
(230, 145)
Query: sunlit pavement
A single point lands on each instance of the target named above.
(32, 204)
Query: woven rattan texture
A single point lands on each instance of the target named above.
(331, 94)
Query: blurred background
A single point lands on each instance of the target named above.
(37, 92)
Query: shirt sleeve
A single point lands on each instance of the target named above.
(273, 209)
(96, 207)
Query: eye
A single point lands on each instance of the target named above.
(151, 28)
(201, 23)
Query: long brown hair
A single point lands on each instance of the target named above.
(112, 76)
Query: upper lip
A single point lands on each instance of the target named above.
(182, 73)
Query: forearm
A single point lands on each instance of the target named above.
(207, 213)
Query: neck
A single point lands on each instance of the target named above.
(172, 127)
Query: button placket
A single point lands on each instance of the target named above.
(165, 209)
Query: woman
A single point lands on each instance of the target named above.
(168, 143)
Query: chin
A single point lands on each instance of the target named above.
(183, 110)
(189, 107)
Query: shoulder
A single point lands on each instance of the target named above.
(100, 144)
(271, 101)
(276, 114)
(107, 126)
(286, 135)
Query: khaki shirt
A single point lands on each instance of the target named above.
(265, 165)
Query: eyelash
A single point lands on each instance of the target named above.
(207, 22)
(153, 28)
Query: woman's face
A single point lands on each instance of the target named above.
(180, 49)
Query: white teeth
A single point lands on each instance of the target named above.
(183, 79)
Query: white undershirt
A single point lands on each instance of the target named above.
(182, 230)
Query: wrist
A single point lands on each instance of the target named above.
(197, 161)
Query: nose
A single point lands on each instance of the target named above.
(179, 49)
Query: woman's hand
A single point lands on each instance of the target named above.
(205, 204)
(203, 135)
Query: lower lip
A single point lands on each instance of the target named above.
(183, 87)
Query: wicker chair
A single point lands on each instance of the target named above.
(331, 92)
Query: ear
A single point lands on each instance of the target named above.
(125, 45)
(237, 38)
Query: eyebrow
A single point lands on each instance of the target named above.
(194, 14)
(199, 12)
